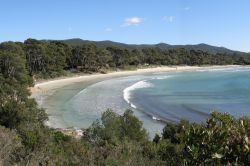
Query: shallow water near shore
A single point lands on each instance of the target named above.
(156, 98)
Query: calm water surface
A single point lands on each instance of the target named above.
(155, 98)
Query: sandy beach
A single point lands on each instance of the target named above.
(43, 89)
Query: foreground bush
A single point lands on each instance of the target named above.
(222, 140)
(121, 140)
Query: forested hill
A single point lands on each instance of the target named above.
(50, 58)
(164, 46)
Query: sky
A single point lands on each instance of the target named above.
(215, 22)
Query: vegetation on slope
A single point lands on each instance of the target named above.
(114, 139)
(104, 44)
(54, 58)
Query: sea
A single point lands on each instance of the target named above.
(155, 98)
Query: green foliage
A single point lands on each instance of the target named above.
(104, 44)
(174, 132)
(157, 138)
(51, 58)
(115, 128)
(10, 143)
(12, 63)
(131, 127)
(46, 59)
(118, 140)
(60, 137)
(222, 140)
(115, 139)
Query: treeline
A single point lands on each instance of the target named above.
(54, 58)
(114, 139)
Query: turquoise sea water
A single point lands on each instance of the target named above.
(156, 97)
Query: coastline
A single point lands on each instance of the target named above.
(47, 87)
(42, 90)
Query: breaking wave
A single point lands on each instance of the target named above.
(138, 85)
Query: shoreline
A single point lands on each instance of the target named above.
(48, 86)
(42, 90)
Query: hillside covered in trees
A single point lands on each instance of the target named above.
(107, 43)
(53, 58)
(114, 139)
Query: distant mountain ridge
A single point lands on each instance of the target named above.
(108, 43)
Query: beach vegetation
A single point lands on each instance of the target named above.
(114, 139)
(50, 59)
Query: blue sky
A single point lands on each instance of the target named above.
(216, 22)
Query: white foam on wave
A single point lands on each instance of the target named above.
(133, 106)
(162, 77)
(154, 118)
(229, 69)
(137, 85)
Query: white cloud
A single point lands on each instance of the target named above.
(132, 21)
(169, 18)
(187, 8)
(108, 29)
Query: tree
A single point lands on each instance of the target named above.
(10, 144)
(36, 56)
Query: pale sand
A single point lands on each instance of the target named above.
(48, 87)
(41, 90)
